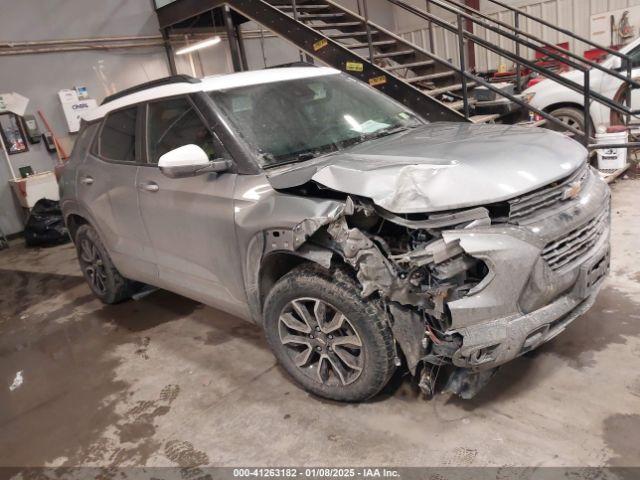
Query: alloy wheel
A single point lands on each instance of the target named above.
(93, 266)
(571, 122)
(321, 342)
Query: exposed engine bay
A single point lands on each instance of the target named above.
(415, 272)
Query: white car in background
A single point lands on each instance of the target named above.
(568, 105)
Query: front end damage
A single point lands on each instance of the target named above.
(473, 289)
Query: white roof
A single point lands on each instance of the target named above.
(209, 84)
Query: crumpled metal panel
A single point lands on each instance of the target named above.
(442, 166)
(408, 330)
(374, 271)
(510, 259)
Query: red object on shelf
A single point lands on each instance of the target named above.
(597, 54)
(558, 51)
(535, 81)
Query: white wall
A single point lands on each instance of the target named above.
(40, 76)
(573, 15)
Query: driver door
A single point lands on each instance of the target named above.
(190, 221)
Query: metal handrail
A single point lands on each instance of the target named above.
(507, 54)
(626, 59)
(518, 31)
(517, 37)
(561, 30)
(477, 79)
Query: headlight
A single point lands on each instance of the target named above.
(527, 97)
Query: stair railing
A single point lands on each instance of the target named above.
(625, 60)
(517, 38)
(572, 61)
(365, 11)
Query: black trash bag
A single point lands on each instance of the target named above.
(45, 225)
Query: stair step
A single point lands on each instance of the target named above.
(431, 76)
(334, 26)
(450, 88)
(351, 34)
(537, 123)
(484, 118)
(459, 105)
(303, 7)
(319, 16)
(393, 54)
(379, 43)
(426, 63)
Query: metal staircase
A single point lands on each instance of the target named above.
(439, 89)
(352, 43)
(394, 55)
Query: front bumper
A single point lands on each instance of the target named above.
(524, 301)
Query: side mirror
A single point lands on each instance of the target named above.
(189, 161)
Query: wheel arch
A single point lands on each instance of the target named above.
(273, 267)
(275, 264)
(75, 221)
(556, 106)
(574, 105)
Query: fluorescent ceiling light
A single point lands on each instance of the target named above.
(210, 42)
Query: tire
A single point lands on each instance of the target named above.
(342, 370)
(103, 278)
(571, 116)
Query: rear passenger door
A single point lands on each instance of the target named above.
(107, 188)
(190, 221)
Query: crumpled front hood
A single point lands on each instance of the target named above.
(442, 166)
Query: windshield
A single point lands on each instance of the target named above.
(297, 120)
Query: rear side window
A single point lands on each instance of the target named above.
(118, 136)
(175, 123)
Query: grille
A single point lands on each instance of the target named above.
(576, 244)
(546, 197)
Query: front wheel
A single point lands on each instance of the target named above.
(103, 278)
(330, 340)
(572, 117)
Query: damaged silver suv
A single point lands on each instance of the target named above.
(358, 236)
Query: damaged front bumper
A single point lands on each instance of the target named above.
(543, 275)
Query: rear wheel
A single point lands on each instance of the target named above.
(103, 278)
(331, 341)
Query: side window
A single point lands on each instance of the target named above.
(175, 123)
(118, 137)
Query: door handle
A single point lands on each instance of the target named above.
(149, 187)
(88, 180)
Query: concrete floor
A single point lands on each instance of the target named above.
(167, 381)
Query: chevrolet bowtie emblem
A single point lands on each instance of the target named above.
(572, 191)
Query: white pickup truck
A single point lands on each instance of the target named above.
(568, 105)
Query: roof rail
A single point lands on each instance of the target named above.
(153, 83)
(299, 63)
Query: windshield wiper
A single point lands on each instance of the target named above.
(385, 132)
(297, 157)
(365, 137)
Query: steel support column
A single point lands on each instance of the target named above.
(232, 39)
(471, 51)
(169, 51)
(243, 53)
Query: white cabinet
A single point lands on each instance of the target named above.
(31, 189)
